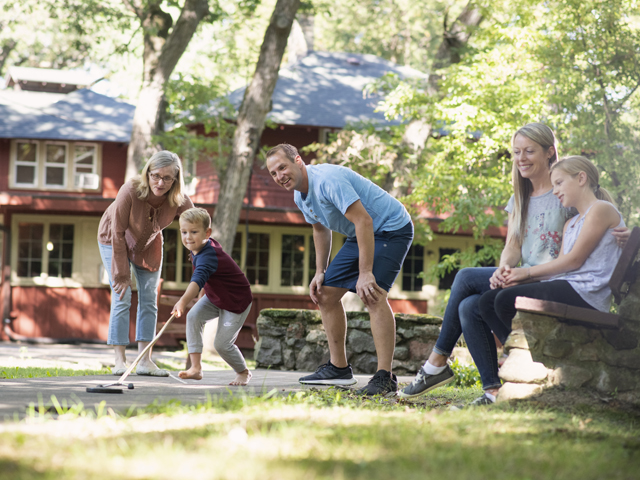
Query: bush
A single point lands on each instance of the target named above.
(465, 375)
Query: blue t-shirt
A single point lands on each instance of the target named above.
(333, 189)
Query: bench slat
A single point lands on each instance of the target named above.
(625, 271)
(582, 316)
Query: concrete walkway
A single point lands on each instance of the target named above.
(17, 394)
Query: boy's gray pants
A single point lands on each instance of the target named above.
(229, 325)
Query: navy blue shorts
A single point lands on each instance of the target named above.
(390, 250)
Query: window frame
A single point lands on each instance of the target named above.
(16, 163)
(44, 279)
(41, 166)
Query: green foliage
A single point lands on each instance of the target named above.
(465, 375)
(198, 123)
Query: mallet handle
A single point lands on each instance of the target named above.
(148, 347)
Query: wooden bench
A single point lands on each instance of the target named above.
(623, 276)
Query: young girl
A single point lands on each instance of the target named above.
(580, 275)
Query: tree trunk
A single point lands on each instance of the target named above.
(251, 118)
(163, 47)
(417, 133)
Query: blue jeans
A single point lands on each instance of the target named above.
(462, 315)
(147, 314)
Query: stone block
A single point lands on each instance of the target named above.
(610, 380)
(407, 333)
(401, 353)
(289, 359)
(311, 357)
(364, 363)
(461, 354)
(520, 368)
(586, 353)
(316, 336)
(624, 339)
(623, 358)
(417, 319)
(420, 351)
(535, 325)
(570, 376)
(519, 339)
(361, 324)
(359, 342)
(296, 330)
(268, 352)
(515, 391)
(271, 330)
(405, 367)
(557, 348)
(576, 334)
(427, 332)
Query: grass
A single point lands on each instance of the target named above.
(325, 434)
(7, 373)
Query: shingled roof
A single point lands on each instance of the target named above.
(82, 115)
(325, 89)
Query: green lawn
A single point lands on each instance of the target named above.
(327, 435)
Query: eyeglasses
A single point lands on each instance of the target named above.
(156, 178)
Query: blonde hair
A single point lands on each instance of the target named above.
(197, 215)
(574, 165)
(162, 159)
(522, 187)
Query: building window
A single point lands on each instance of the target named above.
(60, 247)
(176, 266)
(30, 237)
(292, 270)
(55, 165)
(26, 166)
(258, 259)
(411, 269)
(31, 249)
(85, 167)
(446, 281)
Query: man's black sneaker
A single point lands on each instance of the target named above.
(329, 374)
(425, 382)
(382, 383)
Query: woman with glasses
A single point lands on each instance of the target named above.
(130, 239)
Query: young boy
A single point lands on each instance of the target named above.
(227, 296)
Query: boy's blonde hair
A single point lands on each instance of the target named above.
(197, 215)
(574, 165)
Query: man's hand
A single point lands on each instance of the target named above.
(315, 286)
(368, 290)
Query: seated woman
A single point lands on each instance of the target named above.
(580, 275)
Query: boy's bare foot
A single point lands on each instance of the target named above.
(242, 378)
(192, 374)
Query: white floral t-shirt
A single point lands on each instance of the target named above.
(543, 234)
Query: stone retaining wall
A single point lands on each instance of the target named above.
(296, 340)
(544, 352)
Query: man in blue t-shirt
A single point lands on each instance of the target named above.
(379, 233)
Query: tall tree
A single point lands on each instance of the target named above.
(251, 121)
(164, 44)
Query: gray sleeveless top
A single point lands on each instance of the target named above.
(591, 280)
